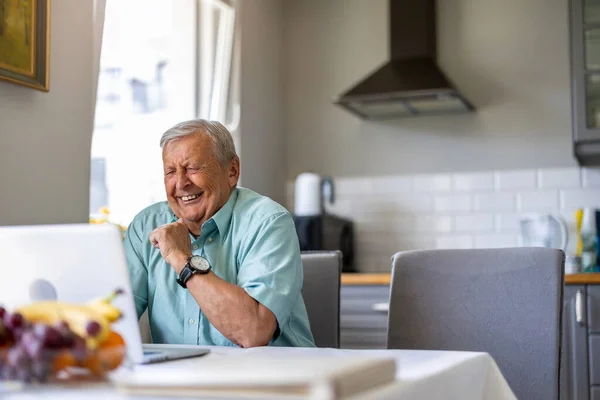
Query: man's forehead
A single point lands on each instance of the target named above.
(189, 146)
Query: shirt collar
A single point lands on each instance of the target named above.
(222, 218)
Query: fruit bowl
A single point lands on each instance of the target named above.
(47, 341)
(32, 357)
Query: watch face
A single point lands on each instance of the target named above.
(199, 263)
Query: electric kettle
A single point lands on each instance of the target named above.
(544, 230)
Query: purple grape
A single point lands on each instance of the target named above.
(32, 344)
(23, 374)
(66, 334)
(40, 331)
(62, 326)
(48, 335)
(17, 357)
(17, 333)
(2, 312)
(93, 328)
(79, 348)
(14, 320)
(40, 370)
(7, 372)
(4, 335)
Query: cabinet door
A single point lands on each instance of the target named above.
(363, 317)
(574, 379)
(585, 70)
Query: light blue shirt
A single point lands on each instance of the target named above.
(251, 242)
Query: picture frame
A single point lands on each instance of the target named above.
(25, 43)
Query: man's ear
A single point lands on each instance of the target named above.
(234, 171)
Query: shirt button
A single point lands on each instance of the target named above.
(191, 321)
(210, 239)
(195, 247)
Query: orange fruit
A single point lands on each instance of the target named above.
(63, 360)
(108, 356)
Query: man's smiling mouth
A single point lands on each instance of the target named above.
(191, 197)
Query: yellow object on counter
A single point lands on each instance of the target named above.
(579, 220)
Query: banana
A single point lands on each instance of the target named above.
(76, 316)
(104, 306)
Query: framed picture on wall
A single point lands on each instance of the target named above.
(25, 42)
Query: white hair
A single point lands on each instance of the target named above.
(223, 146)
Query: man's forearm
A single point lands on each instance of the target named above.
(232, 311)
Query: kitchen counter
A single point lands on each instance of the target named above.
(384, 279)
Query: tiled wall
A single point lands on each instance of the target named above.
(462, 210)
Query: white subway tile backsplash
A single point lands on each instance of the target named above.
(495, 202)
(459, 202)
(460, 210)
(470, 182)
(559, 178)
(359, 186)
(495, 241)
(430, 223)
(538, 201)
(474, 223)
(507, 223)
(392, 184)
(414, 242)
(414, 203)
(579, 198)
(341, 207)
(432, 183)
(507, 180)
(590, 177)
(454, 242)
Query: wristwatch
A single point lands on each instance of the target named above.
(195, 265)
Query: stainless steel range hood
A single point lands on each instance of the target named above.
(411, 83)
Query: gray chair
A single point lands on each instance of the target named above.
(144, 324)
(321, 293)
(506, 302)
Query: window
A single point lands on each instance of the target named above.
(162, 62)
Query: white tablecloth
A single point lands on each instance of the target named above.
(420, 374)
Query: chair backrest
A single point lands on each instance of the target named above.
(321, 293)
(506, 302)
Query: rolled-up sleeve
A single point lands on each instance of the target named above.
(271, 268)
(138, 273)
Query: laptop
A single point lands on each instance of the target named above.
(77, 263)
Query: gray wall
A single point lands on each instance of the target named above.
(261, 136)
(510, 58)
(45, 137)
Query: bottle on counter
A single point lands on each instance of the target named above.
(589, 240)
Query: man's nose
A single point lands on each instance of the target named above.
(182, 180)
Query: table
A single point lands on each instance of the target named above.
(420, 375)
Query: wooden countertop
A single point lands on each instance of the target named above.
(384, 279)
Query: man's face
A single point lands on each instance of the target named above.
(197, 185)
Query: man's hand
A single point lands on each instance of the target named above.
(173, 241)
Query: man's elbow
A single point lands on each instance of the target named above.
(260, 334)
(254, 341)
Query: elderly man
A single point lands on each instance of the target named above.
(216, 264)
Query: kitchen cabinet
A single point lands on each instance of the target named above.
(363, 316)
(585, 79)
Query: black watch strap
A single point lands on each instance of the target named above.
(185, 274)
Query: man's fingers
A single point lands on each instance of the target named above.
(154, 239)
